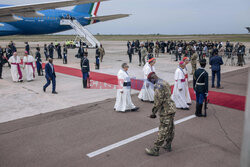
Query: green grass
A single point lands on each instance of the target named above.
(211, 37)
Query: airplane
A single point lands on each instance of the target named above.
(248, 28)
(44, 18)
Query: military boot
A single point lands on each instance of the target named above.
(167, 147)
(152, 151)
(200, 110)
(85, 83)
(197, 109)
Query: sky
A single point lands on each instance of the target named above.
(172, 17)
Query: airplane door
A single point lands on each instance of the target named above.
(64, 15)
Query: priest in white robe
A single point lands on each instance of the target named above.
(179, 93)
(16, 72)
(147, 90)
(123, 98)
(29, 66)
(188, 98)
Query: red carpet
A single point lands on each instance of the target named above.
(217, 98)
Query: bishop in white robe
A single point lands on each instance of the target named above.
(187, 94)
(29, 66)
(179, 93)
(147, 90)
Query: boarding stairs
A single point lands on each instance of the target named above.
(81, 31)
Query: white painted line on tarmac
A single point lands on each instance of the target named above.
(133, 138)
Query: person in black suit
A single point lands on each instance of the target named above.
(215, 62)
(51, 48)
(200, 85)
(27, 47)
(50, 75)
(59, 51)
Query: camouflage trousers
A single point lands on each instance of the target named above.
(166, 131)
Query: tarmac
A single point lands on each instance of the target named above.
(41, 129)
(63, 138)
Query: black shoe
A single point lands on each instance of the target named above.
(189, 104)
(151, 101)
(135, 109)
(185, 108)
(44, 89)
(54, 92)
(213, 87)
(142, 100)
(198, 115)
(1, 78)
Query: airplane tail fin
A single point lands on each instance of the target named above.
(90, 8)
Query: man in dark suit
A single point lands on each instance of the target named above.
(27, 47)
(51, 50)
(200, 85)
(59, 51)
(216, 61)
(50, 75)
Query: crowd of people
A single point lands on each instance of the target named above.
(10, 56)
(186, 49)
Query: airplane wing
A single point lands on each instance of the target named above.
(106, 18)
(9, 13)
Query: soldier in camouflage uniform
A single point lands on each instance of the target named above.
(165, 107)
(143, 53)
(157, 50)
(102, 52)
(194, 62)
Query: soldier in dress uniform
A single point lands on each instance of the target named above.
(200, 85)
(85, 70)
(65, 54)
(45, 51)
(39, 62)
(97, 58)
(164, 105)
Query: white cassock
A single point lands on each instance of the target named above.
(123, 100)
(29, 63)
(147, 91)
(188, 98)
(179, 97)
(16, 72)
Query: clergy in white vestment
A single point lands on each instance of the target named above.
(16, 72)
(179, 93)
(29, 66)
(123, 98)
(188, 98)
(147, 90)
